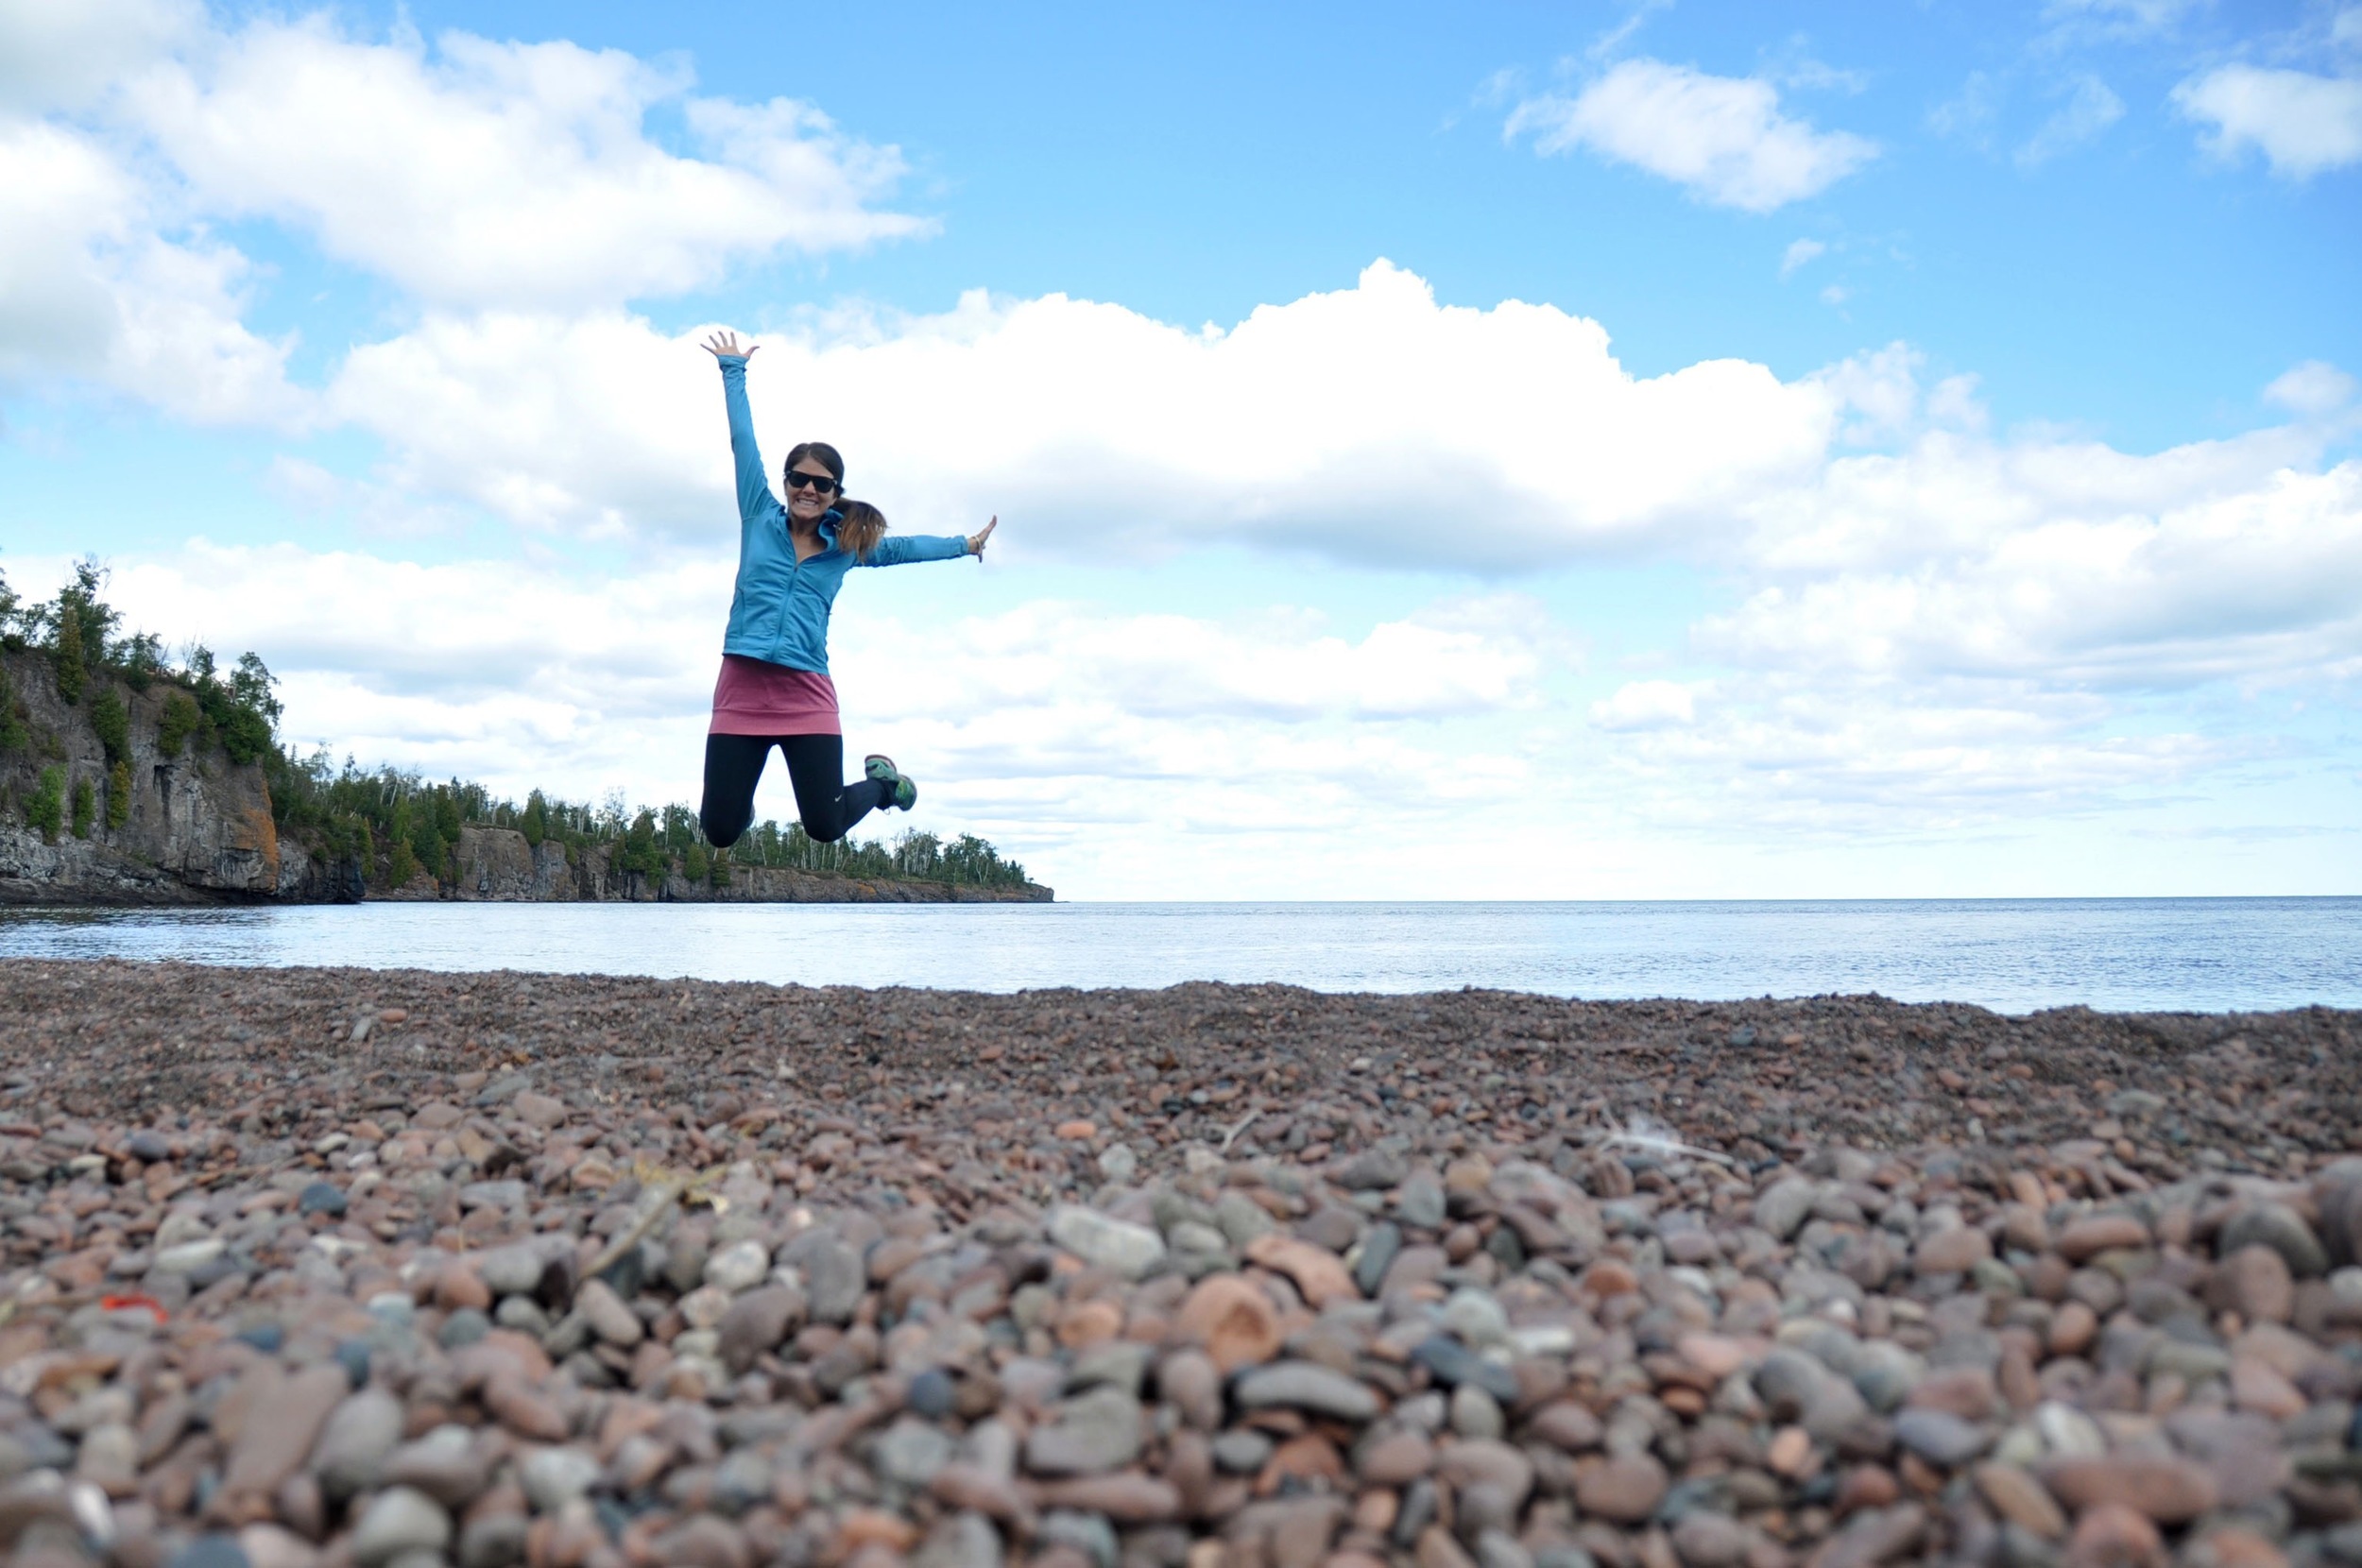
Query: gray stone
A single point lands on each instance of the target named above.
(835, 1280)
(966, 1539)
(463, 1327)
(1475, 1413)
(933, 1392)
(189, 1256)
(756, 1323)
(683, 1264)
(1499, 1549)
(1784, 1205)
(1240, 1219)
(1476, 1317)
(1707, 1540)
(513, 1270)
(495, 1541)
(1306, 1386)
(911, 1451)
(1420, 1203)
(1787, 1379)
(505, 1194)
(1940, 1436)
(1886, 1373)
(2343, 1544)
(738, 1267)
(1241, 1450)
(1119, 1164)
(1171, 1207)
(394, 1308)
(524, 1313)
(2189, 1362)
(321, 1198)
(1564, 1556)
(2281, 1228)
(441, 1464)
(1119, 1245)
(2067, 1432)
(743, 1481)
(553, 1477)
(1089, 1533)
(609, 1315)
(1380, 1244)
(1373, 1167)
(211, 1551)
(1091, 1432)
(352, 1448)
(1121, 1362)
(1334, 1226)
(400, 1520)
(1451, 1363)
(1198, 1245)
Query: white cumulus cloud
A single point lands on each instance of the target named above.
(1723, 139)
(1094, 424)
(91, 287)
(2091, 108)
(64, 53)
(2315, 388)
(467, 174)
(1647, 704)
(1798, 253)
(486, 173)
(2302, 124)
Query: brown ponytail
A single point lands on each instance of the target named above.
(861, 529)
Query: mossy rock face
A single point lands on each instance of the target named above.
(179, 720)
(112, 720)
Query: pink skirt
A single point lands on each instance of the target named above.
(753, 697)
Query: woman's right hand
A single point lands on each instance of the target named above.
(724, 344)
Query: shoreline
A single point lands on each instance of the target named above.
(2020, 967)
(613, 1271)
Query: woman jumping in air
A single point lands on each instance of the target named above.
(774, 689)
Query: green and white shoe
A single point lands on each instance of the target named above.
(902, 793)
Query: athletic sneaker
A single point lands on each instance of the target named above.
(902, 792)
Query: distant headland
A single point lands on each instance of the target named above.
(126, 778)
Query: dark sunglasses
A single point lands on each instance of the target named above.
(798, 480)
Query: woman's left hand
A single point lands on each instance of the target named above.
(976, 542)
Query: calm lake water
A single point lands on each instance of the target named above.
(2016, 956)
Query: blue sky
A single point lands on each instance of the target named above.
(1719, 450)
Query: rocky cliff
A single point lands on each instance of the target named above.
(199, 829)
(497, 864)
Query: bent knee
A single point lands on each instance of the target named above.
(722, 833)
(827, 832)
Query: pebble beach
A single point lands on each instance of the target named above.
(399, 1269)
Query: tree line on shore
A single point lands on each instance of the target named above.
(392, 823)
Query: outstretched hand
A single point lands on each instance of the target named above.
(724, 345)
(976, 542)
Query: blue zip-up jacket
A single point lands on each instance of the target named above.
(779, 613)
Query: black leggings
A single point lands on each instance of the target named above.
(816, 766)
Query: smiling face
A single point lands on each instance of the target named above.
(811, 489)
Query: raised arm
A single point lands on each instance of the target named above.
(754, 486)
